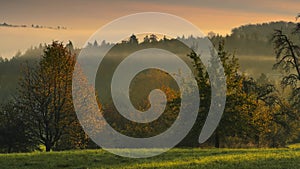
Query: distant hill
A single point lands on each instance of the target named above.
(253, 45)
(255, 39)
(4, 24)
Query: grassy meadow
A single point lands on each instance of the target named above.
(285, 158)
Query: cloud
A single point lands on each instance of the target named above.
(89, 15)
(81, 12)
(284, 7)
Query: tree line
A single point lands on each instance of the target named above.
(257, 113)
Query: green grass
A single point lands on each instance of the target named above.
(285, 158)
(295, 146)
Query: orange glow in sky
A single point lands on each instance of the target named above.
(83, 18)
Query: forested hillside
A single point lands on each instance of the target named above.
(258, 113)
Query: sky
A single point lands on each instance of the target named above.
(83, 17)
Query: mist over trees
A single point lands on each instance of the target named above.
(36, 99)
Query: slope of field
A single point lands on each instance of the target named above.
(285, 158)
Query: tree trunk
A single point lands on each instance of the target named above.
(48, 147)
(257, 140)
(9, 149)
(217, 139)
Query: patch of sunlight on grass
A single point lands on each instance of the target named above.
(175, 158)
(295, 146)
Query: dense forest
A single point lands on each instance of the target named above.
(249, 43)
(260, 111)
